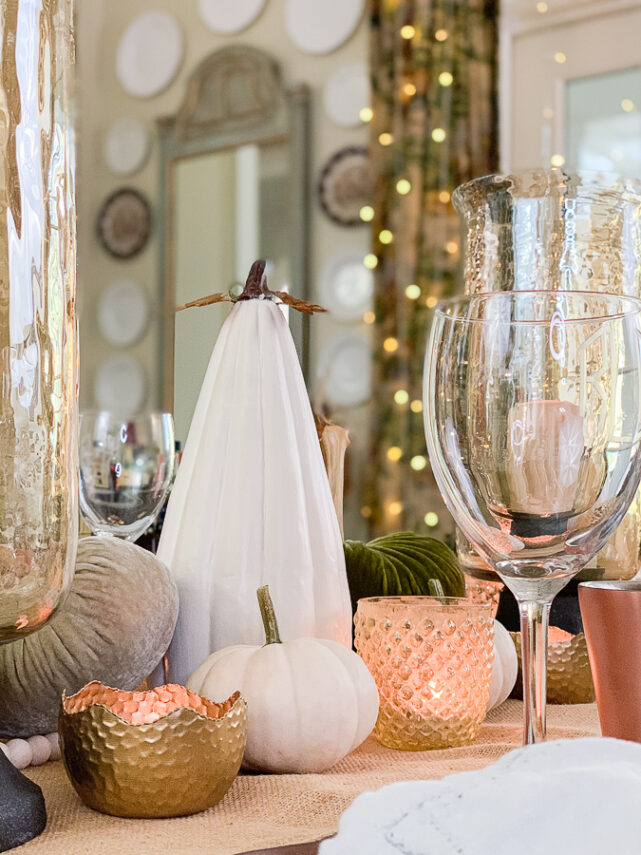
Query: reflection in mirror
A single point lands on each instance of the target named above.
(231, 207)
(233, 165)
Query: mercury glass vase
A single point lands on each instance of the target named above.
(549, 230)
(38, 396)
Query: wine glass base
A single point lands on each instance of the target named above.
(128, 537)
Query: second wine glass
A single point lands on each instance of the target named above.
(533, 425)
(126, 467)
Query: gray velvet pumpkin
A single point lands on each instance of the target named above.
(114, 626)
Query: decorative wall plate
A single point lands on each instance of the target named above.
(126, 146)
(345, 94)
(149, 54)
(124, 223)
(346, 185)
(123, 312)
(120, 385)
(345, 371)
(229, 16)
(321, 27)
(346, 286)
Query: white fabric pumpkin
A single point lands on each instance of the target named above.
(504, 668)
(310, 701)
(251, 504)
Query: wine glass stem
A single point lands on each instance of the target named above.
(534, 634)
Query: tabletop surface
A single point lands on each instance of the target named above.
(263, 811)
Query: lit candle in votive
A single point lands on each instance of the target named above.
(431, 658)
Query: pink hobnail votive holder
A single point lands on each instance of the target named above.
(431, 659)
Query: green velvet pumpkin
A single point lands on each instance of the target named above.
(401, 564)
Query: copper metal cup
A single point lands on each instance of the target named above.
(611, 613)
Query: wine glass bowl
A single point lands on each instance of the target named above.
(533, 422)
(126, 467)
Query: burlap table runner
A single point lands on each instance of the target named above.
(271, 810)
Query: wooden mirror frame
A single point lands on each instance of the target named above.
(235, 97)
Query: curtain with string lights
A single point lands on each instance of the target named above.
(434, 126)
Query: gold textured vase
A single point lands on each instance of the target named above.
(569, 676)
(38, 406)
(162, 753)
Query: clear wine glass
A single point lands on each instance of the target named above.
(533, 423)
(126, 467)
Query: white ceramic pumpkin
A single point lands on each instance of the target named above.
(252, 505)
(504, 668)
(310, 701)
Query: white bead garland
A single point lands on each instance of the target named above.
(40, 749)
(55, 746)
(33, 751)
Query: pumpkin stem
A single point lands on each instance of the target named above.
(272, 635)
(256, 285)
(256, 289)
(435, 588)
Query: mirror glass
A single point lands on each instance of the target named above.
(603, 122)
(231, 207)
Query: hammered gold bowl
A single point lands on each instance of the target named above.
(569, 677)
(162, 753)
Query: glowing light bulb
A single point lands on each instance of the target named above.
(431, 519)
(385, 236)
(369, 318)
(557, 160)
(385, 138)
(628, 105)
(444, 196)
(418, 463)
(370, 261)
(560, 57)
(541, 7)
(408, 31)
(409, 89)
(390, 345)
(445, 78)
(366, 114)
(394, 453)
(366, 213)
(403, 186)
(395, 508)
(412, 292)
(431, 302)
(416, 406)
(451, 247)
(401, 396)
(440, 35)
(438, 135)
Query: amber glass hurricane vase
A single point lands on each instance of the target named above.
(38, 392)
